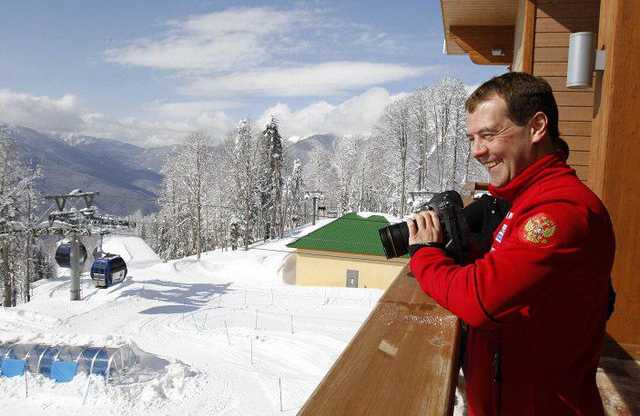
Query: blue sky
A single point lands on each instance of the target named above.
(149, 72)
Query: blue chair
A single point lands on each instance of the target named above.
(12, 367)
(63, 371)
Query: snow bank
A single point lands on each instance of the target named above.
(133, 250)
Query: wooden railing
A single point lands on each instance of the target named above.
(402, 361)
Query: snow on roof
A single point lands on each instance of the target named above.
(390, 218)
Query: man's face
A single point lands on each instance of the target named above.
(503, 147)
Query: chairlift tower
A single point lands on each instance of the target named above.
(76, 223)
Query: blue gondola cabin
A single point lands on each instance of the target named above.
(63, 254)
(106, 271)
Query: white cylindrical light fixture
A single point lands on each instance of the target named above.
(581, 60)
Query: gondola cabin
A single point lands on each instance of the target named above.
(63, 254)
(106, 271)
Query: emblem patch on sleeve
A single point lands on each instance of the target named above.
(538, 229)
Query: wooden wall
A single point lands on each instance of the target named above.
(554, 21)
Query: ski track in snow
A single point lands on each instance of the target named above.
(220, 334)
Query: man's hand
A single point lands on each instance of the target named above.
(425, 229)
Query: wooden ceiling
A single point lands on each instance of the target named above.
(476, 13)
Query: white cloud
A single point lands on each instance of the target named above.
(329, 78)
(356, 115)
(40, 112)
(157, 130)
(261, 50)
(216, 41)
(188, 109)
(166, 123)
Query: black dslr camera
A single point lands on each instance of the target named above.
(448, 206)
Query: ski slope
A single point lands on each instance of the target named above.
(223, 335)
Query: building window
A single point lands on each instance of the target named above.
(352, 278)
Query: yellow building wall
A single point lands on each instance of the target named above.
(324, 268)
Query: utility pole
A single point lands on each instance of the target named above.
(314, 195)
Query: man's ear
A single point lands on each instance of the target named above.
(538, 126)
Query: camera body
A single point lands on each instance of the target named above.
(449, 208)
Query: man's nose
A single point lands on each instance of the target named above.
(478, 148)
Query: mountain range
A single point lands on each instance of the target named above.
(128, 177)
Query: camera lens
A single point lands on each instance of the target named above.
(395, 239)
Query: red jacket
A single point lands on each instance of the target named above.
(536, 303)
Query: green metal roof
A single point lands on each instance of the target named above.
(350, 233)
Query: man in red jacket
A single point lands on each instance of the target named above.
(536, 302)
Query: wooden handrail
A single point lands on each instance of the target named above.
(402, 361)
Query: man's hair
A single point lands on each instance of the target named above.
(524, 95)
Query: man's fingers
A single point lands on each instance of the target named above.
(435, 221)
(412, 227)
(421, 221)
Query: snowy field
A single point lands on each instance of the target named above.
(220, 336)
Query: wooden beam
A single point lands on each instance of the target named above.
(479, 41)
(566, 25)
(528, 36)
(586, 8)
(402, 361)
(615, 155)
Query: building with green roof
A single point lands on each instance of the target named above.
(346, 252)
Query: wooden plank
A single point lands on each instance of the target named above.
(559, 83)
(575, 113)
(557, 54)
(479, 42)
(402, 361)
(578, 143)
(585, 8)
(582, 172)
(578, 158)
(553, 69)
(566, 25)
(528, 35)
(575, 98)
(575, 128)
(544, 40)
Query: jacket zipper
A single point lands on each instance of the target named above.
(497, 379)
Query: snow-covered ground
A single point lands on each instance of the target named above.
(220, 336)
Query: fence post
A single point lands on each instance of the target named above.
(227, 330)
(251, 349)
(280, 390)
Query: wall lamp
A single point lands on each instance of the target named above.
(583, 60)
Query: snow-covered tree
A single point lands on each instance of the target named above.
(17, 206)
(241, 158)
(292, 208)
(270, 177)
(394, 127)
(184, 198)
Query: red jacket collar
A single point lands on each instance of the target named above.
(533, 173)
